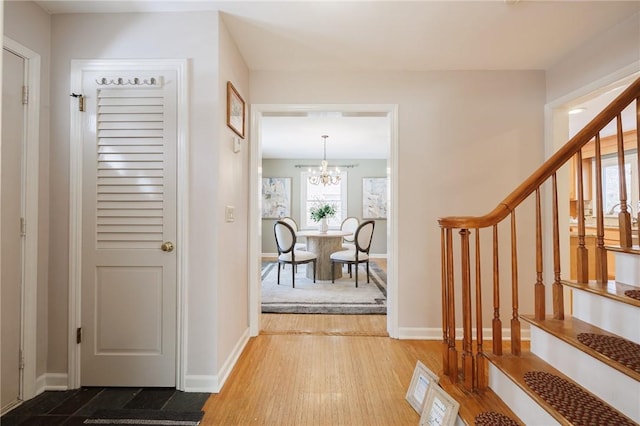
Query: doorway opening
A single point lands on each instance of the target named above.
(292, 162)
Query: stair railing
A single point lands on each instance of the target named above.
(472, 372)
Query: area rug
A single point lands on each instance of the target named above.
(618, 349)
(577, 405)
(323, 297)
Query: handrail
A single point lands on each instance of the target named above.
(548, 168)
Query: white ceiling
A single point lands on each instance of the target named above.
(384, 35)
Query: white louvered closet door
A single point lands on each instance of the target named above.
(128, 286)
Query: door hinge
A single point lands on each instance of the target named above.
(80, 101)
(21, 362)
(79, 335)
(25, 95)
(23, 227)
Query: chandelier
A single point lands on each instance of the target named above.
(325, 177)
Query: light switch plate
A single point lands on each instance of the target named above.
(229, 213)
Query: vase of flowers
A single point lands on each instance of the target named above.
(320, 213)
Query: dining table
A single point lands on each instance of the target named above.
(323, 244)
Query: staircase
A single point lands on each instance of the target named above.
(583, 365)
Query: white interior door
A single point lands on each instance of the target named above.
(12, 239)
(129, 280)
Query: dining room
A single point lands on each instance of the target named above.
(338, 162)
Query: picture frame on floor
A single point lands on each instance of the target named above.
(440, 409)
(422, 377)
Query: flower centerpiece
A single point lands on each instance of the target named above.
(320, 213)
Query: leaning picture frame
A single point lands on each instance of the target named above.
(235, 110)
(422, 378)
(440, 409)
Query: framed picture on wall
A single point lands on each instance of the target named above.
(374, 198)
(235, 110)
(276, 197)
(417, 393)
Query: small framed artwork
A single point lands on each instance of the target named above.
(420, 381)
(374, 198)
(440, 409)
(276, 197)
(235, 110)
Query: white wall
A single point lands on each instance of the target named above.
(466, 140)
(164, 35)
(231, 238)
(610, 52)
(29, 25)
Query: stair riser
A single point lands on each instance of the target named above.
(618, 318)
(618, 390)
(518, 400)
(628, 269)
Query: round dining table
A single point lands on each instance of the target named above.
(323, 244)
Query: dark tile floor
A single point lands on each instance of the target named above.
(75, 406)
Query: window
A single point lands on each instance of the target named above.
(333, 194)
(611, 184)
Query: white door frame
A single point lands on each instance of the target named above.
(255, 222)
(75, 201)
(30, 178)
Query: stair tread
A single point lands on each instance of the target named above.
(631, 250)
(611, 289)
(515, 367)
(568, 330)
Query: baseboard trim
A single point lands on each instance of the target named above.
(421, 333)
(52, 382)
(214, 383)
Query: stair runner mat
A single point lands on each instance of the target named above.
(577, 405)
(634, 294)
(618, 349)
(492, 418)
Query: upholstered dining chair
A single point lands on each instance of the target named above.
(287, 254)
(292, 223)
(349, 224)
(362, 240)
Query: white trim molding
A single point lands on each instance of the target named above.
(255, 221)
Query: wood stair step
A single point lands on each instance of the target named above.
(611, 290)
(515, 367)
(568, 330)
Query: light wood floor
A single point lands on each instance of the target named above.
(329, 370)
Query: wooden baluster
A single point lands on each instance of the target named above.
(452, 352)
(582, 258)
(558, 294)
(482, 379)
(468, 362)
(515, 321)
(496, 323)
(602, 273)
(624, 218)
(539, 308)
(445, 303)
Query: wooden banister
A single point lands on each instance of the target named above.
(471, 374)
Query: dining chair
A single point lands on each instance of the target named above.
(292, 223)
(349, 224)
(287, 254)
(362, 240)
